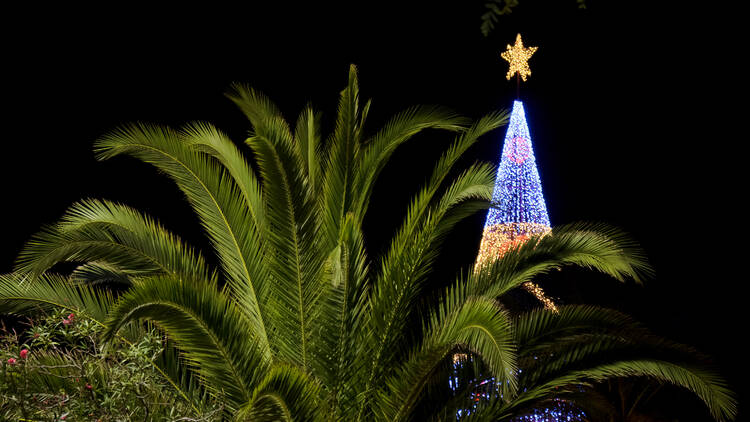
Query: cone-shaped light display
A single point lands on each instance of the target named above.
(521, 211)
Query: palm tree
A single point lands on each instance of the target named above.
(567, 355)
(298, 321)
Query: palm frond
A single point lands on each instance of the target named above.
(341, 165)
(406, 263)
(395, 133)
(207, 139)
(340, 319)
(24, 295)
(213, 195)
(174, 367)
(553, 343)
(115, 235)
(538, 328)
(442, 401)
(286, 394)
(599, 247)
(705, 384)
(474, 182)
(307, 136)
(100, 273)
(410, 253)
(257, 107)
(216, 337)
(295, 263)
(477, 324)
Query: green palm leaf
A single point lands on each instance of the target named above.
(21, 294)
(309, 143)
(216, 337)
(477, 324)
(295, 264)
(207, 139)
(341, 165)
(705, 384)
(100, 273)
(117, 236)
(597, 247)
(286, 394)
(214, 197)
(342, 312)
(396, 132)
(414, 248)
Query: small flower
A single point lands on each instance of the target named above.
(24, 353)
(12, 361)
(36, 335)
(71, 316)
(88, 386)
(66, 322)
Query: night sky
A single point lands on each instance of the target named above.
(629, 107)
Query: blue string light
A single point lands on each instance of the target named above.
(518, 190)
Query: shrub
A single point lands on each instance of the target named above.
(58, 370)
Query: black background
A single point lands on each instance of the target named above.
(631, 111)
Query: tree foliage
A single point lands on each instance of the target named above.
(58, 370)
(298, 321)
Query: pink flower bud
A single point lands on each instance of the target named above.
(66, 322)
(71, 316)
(24, 353)
(88, 386)
(12, 361)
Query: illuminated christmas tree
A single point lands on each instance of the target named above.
(520, 211)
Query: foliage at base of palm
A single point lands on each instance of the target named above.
(57, 369)
(299, 321)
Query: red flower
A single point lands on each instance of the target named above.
(12, 361)
(88, 386)
(71, 316)
(24, 353)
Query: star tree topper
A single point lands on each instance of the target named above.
(518, 57)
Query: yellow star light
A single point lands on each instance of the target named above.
(518, 57)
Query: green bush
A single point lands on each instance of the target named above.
(57, 370)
